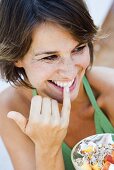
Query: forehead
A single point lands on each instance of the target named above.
(50, 36)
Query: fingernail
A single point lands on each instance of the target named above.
(10, 114)
(67, 89)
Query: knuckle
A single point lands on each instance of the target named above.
(29, 130)
(33, 123)
(56, 127)
(46, 121)
(64, 126)
(54, 101)
(56, 124)
(46, 99)
(36, 98)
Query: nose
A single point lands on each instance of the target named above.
(67, 69)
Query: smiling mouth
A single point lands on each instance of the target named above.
(62, 85)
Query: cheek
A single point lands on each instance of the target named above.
(38, 73)
(83, 60)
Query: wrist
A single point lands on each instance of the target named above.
(49, 159)
(45, 151)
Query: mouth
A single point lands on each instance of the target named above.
(60, 85)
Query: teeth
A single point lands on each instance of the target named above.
(60, 84)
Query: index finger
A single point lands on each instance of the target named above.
(65, 113)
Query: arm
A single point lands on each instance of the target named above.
(47, 129)
(47, 160)
(98, 76)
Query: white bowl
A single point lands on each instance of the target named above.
(98, 140)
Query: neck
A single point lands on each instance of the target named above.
(26, 92)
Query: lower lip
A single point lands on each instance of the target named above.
(72, 87)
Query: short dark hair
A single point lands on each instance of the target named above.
(18, 18)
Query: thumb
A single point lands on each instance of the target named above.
(20, 120)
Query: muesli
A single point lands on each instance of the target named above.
(94, 153)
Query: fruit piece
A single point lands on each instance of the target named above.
(106, 165)
(88, 149)
(95, 167)
(112, 154)
(86, 166)
(109, 158)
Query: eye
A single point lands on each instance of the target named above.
(79, 49)
(51, 58)
(48, 59)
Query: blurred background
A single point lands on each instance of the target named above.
(102, 12)
(103, 16)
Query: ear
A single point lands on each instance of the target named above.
(19, 64)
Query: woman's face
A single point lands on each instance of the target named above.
(55, 60)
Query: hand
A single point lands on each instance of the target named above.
(46, 127)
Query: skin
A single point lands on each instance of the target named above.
(21, 130)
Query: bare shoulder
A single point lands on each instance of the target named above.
(6, 96)
(8, 100)
(14, 139)
(101, 78)
(14, 99)
(7, 103)
(11, 100)
(5, 99)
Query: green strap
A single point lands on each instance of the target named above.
(90, 93)
(67, 157)
(34, 92)
(67, 148)
(102, 123)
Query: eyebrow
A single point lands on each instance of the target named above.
(54, 52)
(47, 52)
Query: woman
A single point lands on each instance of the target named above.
(46, 48)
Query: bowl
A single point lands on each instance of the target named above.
(94, 153)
